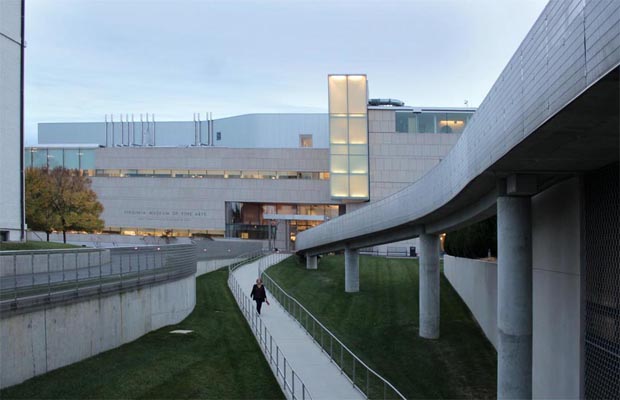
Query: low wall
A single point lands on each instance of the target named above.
(47, 261)
(37, 342)
(107, 240)
(476, 282)
(204, 267)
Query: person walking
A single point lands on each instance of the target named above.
(258, 294)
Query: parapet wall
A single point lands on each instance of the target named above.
(37, 342)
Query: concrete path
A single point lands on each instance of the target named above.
(321, 376)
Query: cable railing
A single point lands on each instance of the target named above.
(40, 277)
(364, 378)
(290, 380)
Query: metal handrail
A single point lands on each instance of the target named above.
(53, 251)
(244, 259)
(296, 310)
(270, 348)
(37, 278)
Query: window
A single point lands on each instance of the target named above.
(55, 158)
(431, 122)
(39, 158)
(218, 136)
(348, 141)
(72, 158)
(87, 159)
(305, 140)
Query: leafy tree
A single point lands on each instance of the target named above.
(75, 203)
(473, 241)
(38, 194)
(66, 198)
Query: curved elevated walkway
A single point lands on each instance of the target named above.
(322, 378)
(551, 114)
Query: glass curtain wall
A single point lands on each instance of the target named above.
(431, 122)
(81, 159)
(246, 220)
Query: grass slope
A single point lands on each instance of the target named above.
(219, 360)
(34, 246)
(380, 324)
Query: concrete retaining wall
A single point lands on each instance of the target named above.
(476, 282)
(35, 343)
(204, 267)
(557, 335)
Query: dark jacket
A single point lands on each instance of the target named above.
(258, 293)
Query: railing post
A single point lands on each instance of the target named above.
(77, 285)
(293, 379)
(161, 263)
(284, 372)
(139, 272)
(367, 383)
(303, 391)
(49, 278)
(32, 267)
(270, 349)
(353, 371)
(277, 360)
(15, 277)
(99, 251)
(331, 346)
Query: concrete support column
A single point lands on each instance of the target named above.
(514, 298)
(429, 286)
(312, 262)
(351, 270)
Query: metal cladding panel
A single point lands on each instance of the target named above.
(602, 36)
(546, 72)
(11, 194)
(242, 131)
(10, 19)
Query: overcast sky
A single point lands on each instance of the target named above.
(88, 58)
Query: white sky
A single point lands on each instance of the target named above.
(88, 58)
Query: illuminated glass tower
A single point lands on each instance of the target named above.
(348, 137)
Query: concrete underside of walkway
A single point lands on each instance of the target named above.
(321, 376)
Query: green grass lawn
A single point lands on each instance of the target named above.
(219, 360)
(34, 246)
(380, 325)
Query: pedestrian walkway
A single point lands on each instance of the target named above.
(321, 376)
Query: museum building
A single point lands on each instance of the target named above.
(254, 176)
